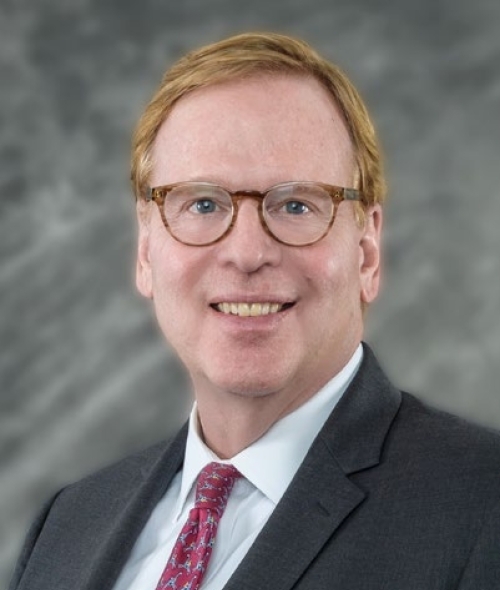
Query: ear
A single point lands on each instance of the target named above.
(370, 254)
(143, 274)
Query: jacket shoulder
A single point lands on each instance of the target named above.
(107, 508)
(448, 443)
(133, 466)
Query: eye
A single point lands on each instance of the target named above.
(204, 206)
(295, 207)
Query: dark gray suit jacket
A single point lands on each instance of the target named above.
(391, 496)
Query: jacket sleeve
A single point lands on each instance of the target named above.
(482, 571)
(30, 542)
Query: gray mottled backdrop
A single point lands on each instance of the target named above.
(85, 376)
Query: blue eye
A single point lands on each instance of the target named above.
(296, 207)
(205, 206)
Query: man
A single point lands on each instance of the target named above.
(259, 190)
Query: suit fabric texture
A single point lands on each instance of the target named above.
(392, 495)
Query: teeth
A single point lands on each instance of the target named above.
(249, 309)
(256, 309)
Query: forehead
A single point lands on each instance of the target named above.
(285, 127)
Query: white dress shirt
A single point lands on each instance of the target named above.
(268, 466)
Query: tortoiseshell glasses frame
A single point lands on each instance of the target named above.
(312, 229)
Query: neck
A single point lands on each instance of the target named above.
(230, 427)
(230, 422)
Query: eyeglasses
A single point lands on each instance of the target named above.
(293, 213)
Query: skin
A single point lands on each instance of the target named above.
(249, 372)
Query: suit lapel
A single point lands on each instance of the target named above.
(302, 522)
(130, 508)
(322, 495)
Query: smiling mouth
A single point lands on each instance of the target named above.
(251, 309)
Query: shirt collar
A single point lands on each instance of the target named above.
(271, 461)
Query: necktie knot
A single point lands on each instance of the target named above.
(214, 484)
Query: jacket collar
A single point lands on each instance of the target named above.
(355, 431)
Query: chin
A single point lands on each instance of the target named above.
(251, 384)
(250, 387)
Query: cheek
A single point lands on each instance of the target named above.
(170, 260)
(174, 278)
(334, 268)
(163, 272)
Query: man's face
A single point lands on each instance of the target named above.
(252, 134)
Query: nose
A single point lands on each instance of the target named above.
(248, 246)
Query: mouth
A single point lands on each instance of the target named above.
(251, 309)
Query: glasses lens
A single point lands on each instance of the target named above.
(298, 213)
(198, 213)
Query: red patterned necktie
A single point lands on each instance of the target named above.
(192, 550)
